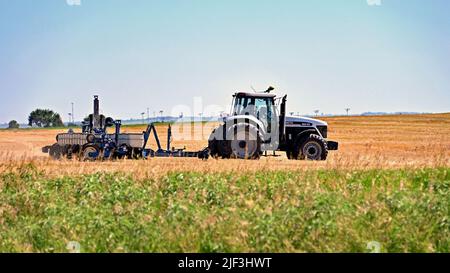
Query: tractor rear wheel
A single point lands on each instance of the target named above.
(244, 142)
(213, 148)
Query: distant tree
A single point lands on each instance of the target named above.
(45, 118)
(347, 110)
(13, 124)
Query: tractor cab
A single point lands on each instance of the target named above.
(259, 105)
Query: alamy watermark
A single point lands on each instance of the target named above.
(374, 2)
(73, 2)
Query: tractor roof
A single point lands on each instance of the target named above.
(254, 95)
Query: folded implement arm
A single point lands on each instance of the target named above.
(169, 152)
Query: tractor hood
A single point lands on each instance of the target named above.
(304, 121)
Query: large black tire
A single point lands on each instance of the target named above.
(314, 147)
(244, 142)
(213, 148)
(224, 149)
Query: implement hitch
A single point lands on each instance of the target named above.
(170, 151)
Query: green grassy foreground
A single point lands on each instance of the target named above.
(312, 211)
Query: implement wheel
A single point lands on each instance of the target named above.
(90, 152)
(56, 151)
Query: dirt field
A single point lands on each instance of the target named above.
(408, 141)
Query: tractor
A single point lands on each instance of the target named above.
(258, 124)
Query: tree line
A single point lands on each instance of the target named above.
(40, 118)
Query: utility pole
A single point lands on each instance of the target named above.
(143, 114)
(148, 115)
(72, 115)
(347, 110)
(161, 112)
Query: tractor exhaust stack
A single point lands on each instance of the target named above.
(96, 118)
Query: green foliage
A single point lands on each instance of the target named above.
(45, 118)
(13, 125)
(312, 211)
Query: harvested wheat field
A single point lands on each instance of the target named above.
(376, 142)
(388, 184)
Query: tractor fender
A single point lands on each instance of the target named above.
(221, 132)
(220, 138)
(303, 135)
(251, 127)
(244, 118)
(254, 123)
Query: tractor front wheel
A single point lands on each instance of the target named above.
(312, 148)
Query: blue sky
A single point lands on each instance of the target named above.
(327, 55)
